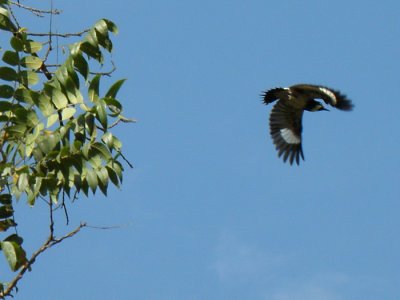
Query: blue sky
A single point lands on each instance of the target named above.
(209, 211)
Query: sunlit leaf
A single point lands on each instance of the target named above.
(28, 78)
(68, 113)
(31, 62)
(14, 254)
(45, 105)
(32, 46)
(59, 99)
(5, 22)
(52, 119)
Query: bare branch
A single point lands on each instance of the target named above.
(64, 35)
(50, 242)
(36, 11)
(108, 73)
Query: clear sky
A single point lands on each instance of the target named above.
(210, 211)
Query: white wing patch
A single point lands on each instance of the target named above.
(289, 136)
(329, 94)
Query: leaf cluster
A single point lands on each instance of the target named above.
(55, 137)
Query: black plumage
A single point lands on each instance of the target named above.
(286, 116)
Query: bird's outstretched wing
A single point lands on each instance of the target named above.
(275, 94)
(285, 129)
(330, 96)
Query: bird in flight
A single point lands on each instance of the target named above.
(286, 116)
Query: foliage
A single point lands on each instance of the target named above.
(55, 138)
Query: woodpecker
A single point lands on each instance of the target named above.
(286, 116)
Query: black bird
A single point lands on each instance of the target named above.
(286, 115)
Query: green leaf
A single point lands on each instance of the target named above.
(31, 62)
(94, 89)
(16, 130)
(5, 224)
(101, 27)
(11, 58)
(68, 113)
(5, 22)
(22, 182)
(91, 51)
(102, 150)
(28, 78)
(101, 114)
(104, 40)
(6, 211)
(45, 105)
(14, 254)
(5, 106)
(15, 238)
(24, 95)
(111, 26)
(51, 120)
(59, 99)
(32, 46)
(8, 74)
(102, 175)
(5, 199)
(91, 178)
(113, 90)
(6, 91)
(17, 44)
(113, 176)
(114, 106)
(81, 65)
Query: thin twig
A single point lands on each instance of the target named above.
(36, 10)
(64, 35)
(106, 73)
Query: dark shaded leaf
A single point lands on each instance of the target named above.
(11, 58)
(17, 44)
(81, 65)
(8, 74)
(6, 91)
(6, 211)
(5, 199)
(5, 224)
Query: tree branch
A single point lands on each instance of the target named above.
(36, 11)
(64, 35)
(50, 242)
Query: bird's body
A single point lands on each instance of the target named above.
(286, 115)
